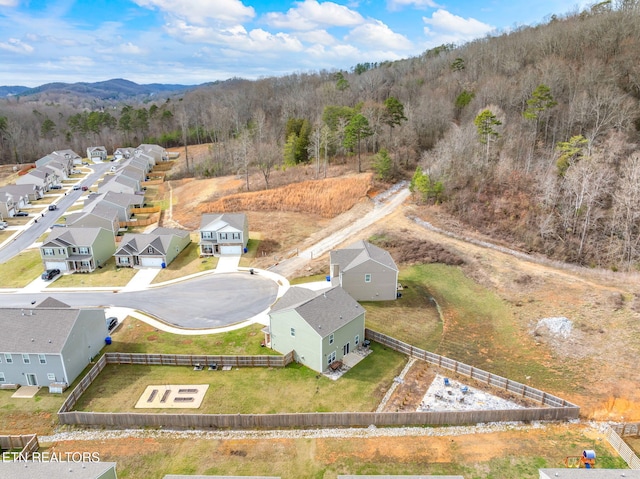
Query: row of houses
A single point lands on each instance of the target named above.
(48, 174)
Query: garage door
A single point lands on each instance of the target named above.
(61, 265)
(152, 262)
(235, 249)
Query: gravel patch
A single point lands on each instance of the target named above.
(446, 394)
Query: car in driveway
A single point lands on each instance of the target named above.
(50, 274)
(22, 213)
(112, 323)
(56, 187)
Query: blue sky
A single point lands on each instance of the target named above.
(196, 41)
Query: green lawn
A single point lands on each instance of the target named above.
(21, 269)
(188, 262)
(252, 249)
(252, 390)
(106, 276)
(478, 329)
(134, 336)
(413, 318)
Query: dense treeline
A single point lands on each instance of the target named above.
(531, 135)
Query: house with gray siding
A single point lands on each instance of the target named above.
(44, 345)
(365, 271)
(320, 327)
(119, 184)
(157, 248)
(67, 157)
(77, 250)
(97, 153)
(156, 152)
(29, 191)
(123, 153)
(223, 234)
(9, 204)
(43, 177)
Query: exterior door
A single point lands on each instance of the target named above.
(345, 349)
(31, 379)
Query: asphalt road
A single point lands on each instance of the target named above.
(209, 301)
(32, 232)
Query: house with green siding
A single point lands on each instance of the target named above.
(320, 327)
(77, 250)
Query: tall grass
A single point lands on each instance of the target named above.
(327, 197)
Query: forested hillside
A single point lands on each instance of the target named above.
(531, 136)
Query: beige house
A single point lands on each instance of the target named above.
(365, 271)
(223, 234)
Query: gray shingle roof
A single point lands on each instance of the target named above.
(52, 303)
(52, 469)
(35, 330)
(72, 236)
(325, 310)
(359, 252)
(208, 221)
(159, 239)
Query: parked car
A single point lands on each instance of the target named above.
(50, 274)
(53, 207)
(58, 225)
(112, 323)
(76, 187)
(4, 224)
(85, 188)
(22, 213)
(56, 187)
(2, 227)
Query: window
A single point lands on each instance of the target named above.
(331, 358)
(26, 359)
(331, 338)
(367, 278)
(2, 379)
(150, 249)
(83, 250)
(293, 332)
(47, 251)
(124, 260)
(42, 358)
(222, 236)
(206, 234)
(51, 376)
(235, 235)
(8, 358)
(357, 340)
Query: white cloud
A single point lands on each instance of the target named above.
(310, 14)
(16, 46)
(130, 49)
(236, 37)
(400, 4)
(9, 3)
(376, 34)
(200, 11)
(455, 28)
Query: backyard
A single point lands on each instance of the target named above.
(252, 390)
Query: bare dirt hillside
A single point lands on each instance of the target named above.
(602, 307)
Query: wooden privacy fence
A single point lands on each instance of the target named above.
(27, 444)
(146, 209)
(613, 436)
(480, 375)
(168, 360)
(192, 360)
(627, 429)
(153, 218)
(306, 420)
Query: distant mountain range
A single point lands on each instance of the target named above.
(116, 89)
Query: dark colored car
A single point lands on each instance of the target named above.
(85, 188)
(22, 213)
(112, 322)
(50, 274)
(56, 187)
(52, 207)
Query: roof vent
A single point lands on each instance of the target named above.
(32, 340)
